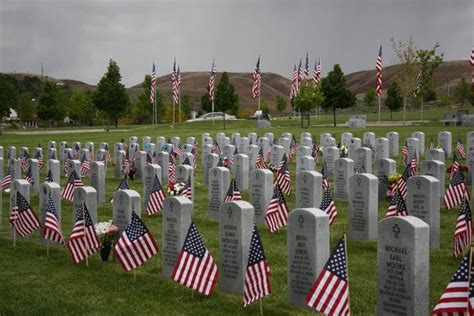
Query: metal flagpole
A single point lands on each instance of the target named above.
(213, 110)
(380, 107)
(179, 104)
(259, 91)
(174, 109)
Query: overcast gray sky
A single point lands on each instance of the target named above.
(75, 39)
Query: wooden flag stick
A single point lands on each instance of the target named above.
(261, 308)
(134, 275)
(84, 226)
(347, 269)
(14, 237)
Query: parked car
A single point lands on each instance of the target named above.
(213, 116)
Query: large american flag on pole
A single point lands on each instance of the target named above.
(455, 298)
(212, 81)
(174, 84)
(472, 69)
(330, 293)
(74, 181)
(83, 241)
(153, 84)
(317, 71)
(306, 67)
(294, 83)
(257, 275)
(195, 267)
(52, 227)
(277, 213)
(22, 217)
(456, 191)
(256, 80)
(463, 232)
(172, 168)
(156, 199)
(136, 245)
(378, 77)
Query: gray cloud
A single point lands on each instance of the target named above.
(75, 39)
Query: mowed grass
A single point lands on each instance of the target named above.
(33, 283)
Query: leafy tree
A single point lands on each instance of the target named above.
(51, 103)
(111, 96)
(81, 108)
(206, 104)
(462, 92)
(186, 106)
(394, 100)
(369, 97)
(407, 70)
(8, 96)
(428, 61)
(307, 99)
(143, 109)
(281, 104)
(226, 99)
(26, 108)
(335, 91)
(264, 107)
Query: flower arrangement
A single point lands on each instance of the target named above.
(106, 232)
(392, 182)
(175, 188)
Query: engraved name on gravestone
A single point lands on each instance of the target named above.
(423, 202)
(435, 168)
(277, 154)
(308, 251)
(363, 160)
(363, 206)
(393, 144)
(98, 180)
(421, 145)
(46, 189)
(183, 173)
(445, 140)
(260, 192)
(151, 170)
(383, 169)
(219, 181)
(124, 202)
(403, 263)
(176, 221)
(163, 161)
(330, 154)
(241, 170)
(304, 163)
(354, 143)
(308, 189)
(209, 161)
(235, 231)
(343, 171)
(381, 148)
(88, 196)
(435, 154)
(252, 153)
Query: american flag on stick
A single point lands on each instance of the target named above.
(212, 81)
(126, 164)
(283, 178)
(52, 227)
(156, 199)
(85, 166)
(233, 193)
(260, 160)
(39, 157)
(186, 191)
(402, 183)
(378, 77)
(328, 206)
(414, 164)
(24, 161)
(123, 185)
(22, 217)
(456, 192)
(277, 213)
(405, 153)
(325, 176)
(397, 205)
(136, 245)
(460, 148)
(257, 275)
(73, 182)
(83, 241)
(153, 84)
(66, 162)
(330, 293)
(293, 147)
(256, 80)
(457, 297)
(463, 232)
(195, 267)
(29, 175)
(7, 179)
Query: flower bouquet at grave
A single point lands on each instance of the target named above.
(392, 183)
(175, 188)
(107, 233)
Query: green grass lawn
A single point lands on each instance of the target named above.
(32, 283)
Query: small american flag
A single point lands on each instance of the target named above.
(186, 191)
(22, 217)
(49, 177)
(293, 146)
(256, 80)
(260, 160)
(85, 166)
(268, 154)
(324, 173)
(257, 275)
(315, 152)
(76, 151)
(136, 245)
(156, 199)
(177, 151)
(454, 300)
(328, 206)
(317, 72)
(195, 267)
(66, 162)
(123, 185)
(402, 183)
(212, 81)
(460, 148)
(215, 148)
(83, 241)
(283, 176)
(39, 157)
(330, 293)
(153, 84)
(7, 179)
(306, 67)
(126, 164)
(277, 213)
(74, 181)
(233, 194)
(24, 161)
(378, 77)
(29, 175)
(414, 164)
(397, 205)
(405, 153)
(456, 191)
(52, 226)
(454, 166)
(463, 232)
(172, 169)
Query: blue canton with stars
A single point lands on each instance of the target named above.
(256, 253)
(462, 275)
(51, 209)
(83, 213)
(327, 199)
(465, 210)
(457, 179)
(337, 262)
(136, 228)
(156, 184)
(193, 243)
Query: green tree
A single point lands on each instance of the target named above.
(428, 61)
(143, 109)
(186, 105)
(462, 92)
(394, 100)
(369, 97)
(111, 96)
(307, 99)
(226, 99)
(335, 91)
(206, 104)
(26, 108)
(8, 96)
(52, 104)
(281, 104)
(82, 108)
